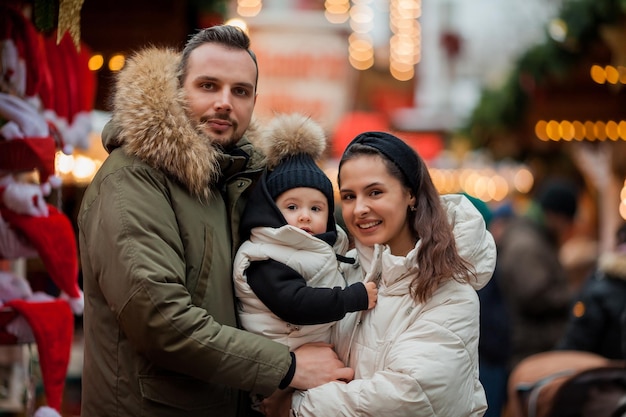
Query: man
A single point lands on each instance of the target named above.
(533, 281)
(158, 230)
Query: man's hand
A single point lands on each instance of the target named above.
(317, 364)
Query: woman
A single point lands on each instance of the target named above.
(416, 352)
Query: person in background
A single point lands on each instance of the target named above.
(530, 275)
(287, 278)
(416, 352)
(597, 322)
(494, 346)
(158, 233)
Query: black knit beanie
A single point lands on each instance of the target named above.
(559, 196)
(299, 171)
(396, 150)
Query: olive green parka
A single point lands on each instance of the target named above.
(157, 238)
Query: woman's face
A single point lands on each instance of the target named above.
(374, 204)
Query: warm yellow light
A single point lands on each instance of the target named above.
(469, 181)
(523, 180)
(598, 74)
(361, 65)
(406, 26)
(487, 184)
(622, 74)
(95, 62)
(579, 309)
(249, 11)
(552, 130)
(402, 75)
(501, 189)
(240, 23)
(116, 62)
(336, 17)
(358, 45)
(480, 188)
(541, 130)
(76, 168)
(249, 8)
(589, 130)
(579, 130)
(612, 130)
(599, 130)
(612, 75)
(63, 163)
(361, 14)
(621, 127)
(340, 7)
(84, 168)
(400, 66)
(404, 49)
(566, 130)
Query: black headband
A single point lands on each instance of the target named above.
(394, 149)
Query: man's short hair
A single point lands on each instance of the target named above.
(226, 35)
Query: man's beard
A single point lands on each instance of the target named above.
(224, 143)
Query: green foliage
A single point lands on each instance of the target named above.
(45, 14)
(504, 108)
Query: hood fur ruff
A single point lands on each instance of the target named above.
(291, 134)
(149, 110)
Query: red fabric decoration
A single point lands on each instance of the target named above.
(52, 323)
(53, 238)
(13, 25)
(353, 123)
(28, 154)
(86, 80)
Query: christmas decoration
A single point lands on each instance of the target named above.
(69, 20)
(46, 96)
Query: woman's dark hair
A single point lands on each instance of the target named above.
(226, 35)
(438, 258)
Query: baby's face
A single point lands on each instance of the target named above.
(304, 208)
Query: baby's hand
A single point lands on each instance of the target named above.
(372, 294)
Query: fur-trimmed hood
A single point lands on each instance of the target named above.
(150, 122)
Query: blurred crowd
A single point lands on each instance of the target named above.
(553, 317)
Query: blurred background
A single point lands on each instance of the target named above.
(496, 96)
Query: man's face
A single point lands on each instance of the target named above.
(221, 92)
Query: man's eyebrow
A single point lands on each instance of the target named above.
(202, 78)
(205, 78)
(246, 85)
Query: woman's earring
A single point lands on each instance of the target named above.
(413, 208)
